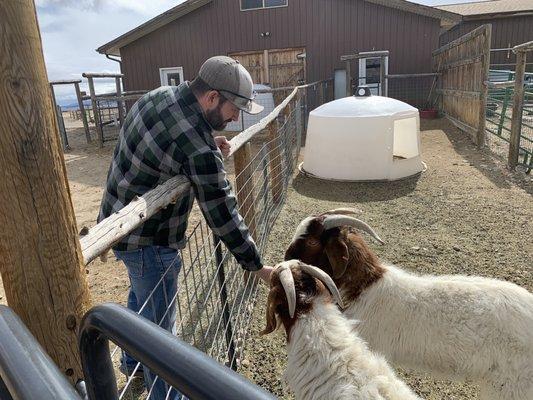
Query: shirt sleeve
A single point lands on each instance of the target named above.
(213, 192)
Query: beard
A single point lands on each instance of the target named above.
(215, 119)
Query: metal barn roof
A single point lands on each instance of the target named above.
(490, 7)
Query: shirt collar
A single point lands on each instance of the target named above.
(191, 101)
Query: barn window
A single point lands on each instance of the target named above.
(172, 76)
(259, 4)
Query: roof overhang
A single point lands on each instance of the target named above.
(427, 11)
(474, 17)
(113, 47)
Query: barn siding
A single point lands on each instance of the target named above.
(506, 32)
(326, 28)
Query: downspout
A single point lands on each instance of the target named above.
(114, 59)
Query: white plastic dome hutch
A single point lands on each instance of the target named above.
(363, 138)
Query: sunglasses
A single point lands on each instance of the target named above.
(244, 103)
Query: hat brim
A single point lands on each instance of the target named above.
(254, 109)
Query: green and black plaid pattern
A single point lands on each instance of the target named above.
(165, 134)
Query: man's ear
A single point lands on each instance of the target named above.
(212, 98)
(338, 256)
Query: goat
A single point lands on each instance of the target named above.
(454, 327)
(326, 358)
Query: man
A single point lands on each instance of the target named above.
(168, 132)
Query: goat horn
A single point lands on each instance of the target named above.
(326, 280)
(342, 211)
(287, 281)
(302, 228)
(334, 221)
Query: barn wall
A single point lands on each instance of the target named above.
(506, 32)
(326, 28)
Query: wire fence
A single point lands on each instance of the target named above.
(417, 90)
(216, 298)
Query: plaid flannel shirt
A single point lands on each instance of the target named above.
(166, 134)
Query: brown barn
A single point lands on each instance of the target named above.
(281, 42)
(512, 24)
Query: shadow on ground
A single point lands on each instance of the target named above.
(489, 164)
(350, 192)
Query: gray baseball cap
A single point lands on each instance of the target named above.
(231, 79)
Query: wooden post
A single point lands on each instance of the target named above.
(485, 66)
(348, 79)
(266, 68)
(120, 103)
(383, 77)
(518, 104)
(275, 154)
(320, 94)
(40, 257)
(62, 132)
(96, 114)
(82, 113)
(245, 186)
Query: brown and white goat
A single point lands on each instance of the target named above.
(454, 327)
(326, 358)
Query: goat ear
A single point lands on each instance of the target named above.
(337, 253)
(271, 317)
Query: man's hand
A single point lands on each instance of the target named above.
(223, 145)
(264, 273)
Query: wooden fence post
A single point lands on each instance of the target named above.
(320, 94)
(348, 79)
(120, 103)
(276, 178)
(40, 257)
(82, 113)
(96, 113)
(245, 186)
(518, 104)
(57, 109)
(481, 138)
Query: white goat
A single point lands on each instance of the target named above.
(326, 358)
(454, 327)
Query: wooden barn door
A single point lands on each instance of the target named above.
(276, 68)
(254, 63)
(286, 68)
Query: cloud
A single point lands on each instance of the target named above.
(146, 8)
(79, 4)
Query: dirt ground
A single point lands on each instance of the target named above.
(466, 214)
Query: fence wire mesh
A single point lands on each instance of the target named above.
(418, 91)
(216, 298)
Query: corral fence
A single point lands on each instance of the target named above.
(107, 108)
(106, 112)
(216, 298)
(492, 105)
(463, 65)
(509, 111)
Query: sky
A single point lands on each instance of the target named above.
(71, 30)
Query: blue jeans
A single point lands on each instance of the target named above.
(148, 268)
